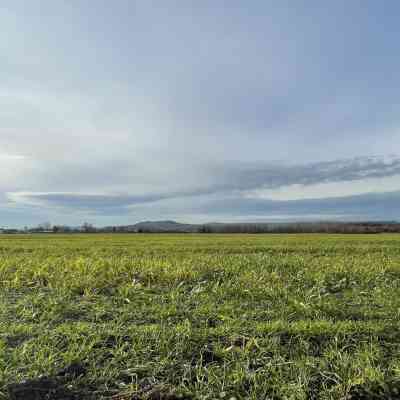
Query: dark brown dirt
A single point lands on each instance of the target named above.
(40, 389)
(48, 388)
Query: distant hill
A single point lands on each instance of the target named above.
(160, 226)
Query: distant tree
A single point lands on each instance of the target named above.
(44, 226)
(64, 228)
(204, 229)
(86, 227)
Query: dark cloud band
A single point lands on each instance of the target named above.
(231, 180)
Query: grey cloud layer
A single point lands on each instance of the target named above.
(138, 106)
(225, 180)
(377, 206)
(242, 177)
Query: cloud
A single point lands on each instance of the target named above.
(82, 200)
(161, 108)
(376, 206)
(226, 181)
(329, 189)
(371, 206)
(240, 176)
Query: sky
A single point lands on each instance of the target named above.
(123, 111)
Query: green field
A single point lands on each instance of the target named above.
(202, 316)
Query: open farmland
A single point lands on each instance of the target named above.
(201, 316)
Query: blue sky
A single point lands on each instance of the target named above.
(115, 112)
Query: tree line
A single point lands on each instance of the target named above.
(254, 228)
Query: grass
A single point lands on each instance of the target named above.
(203, 316)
